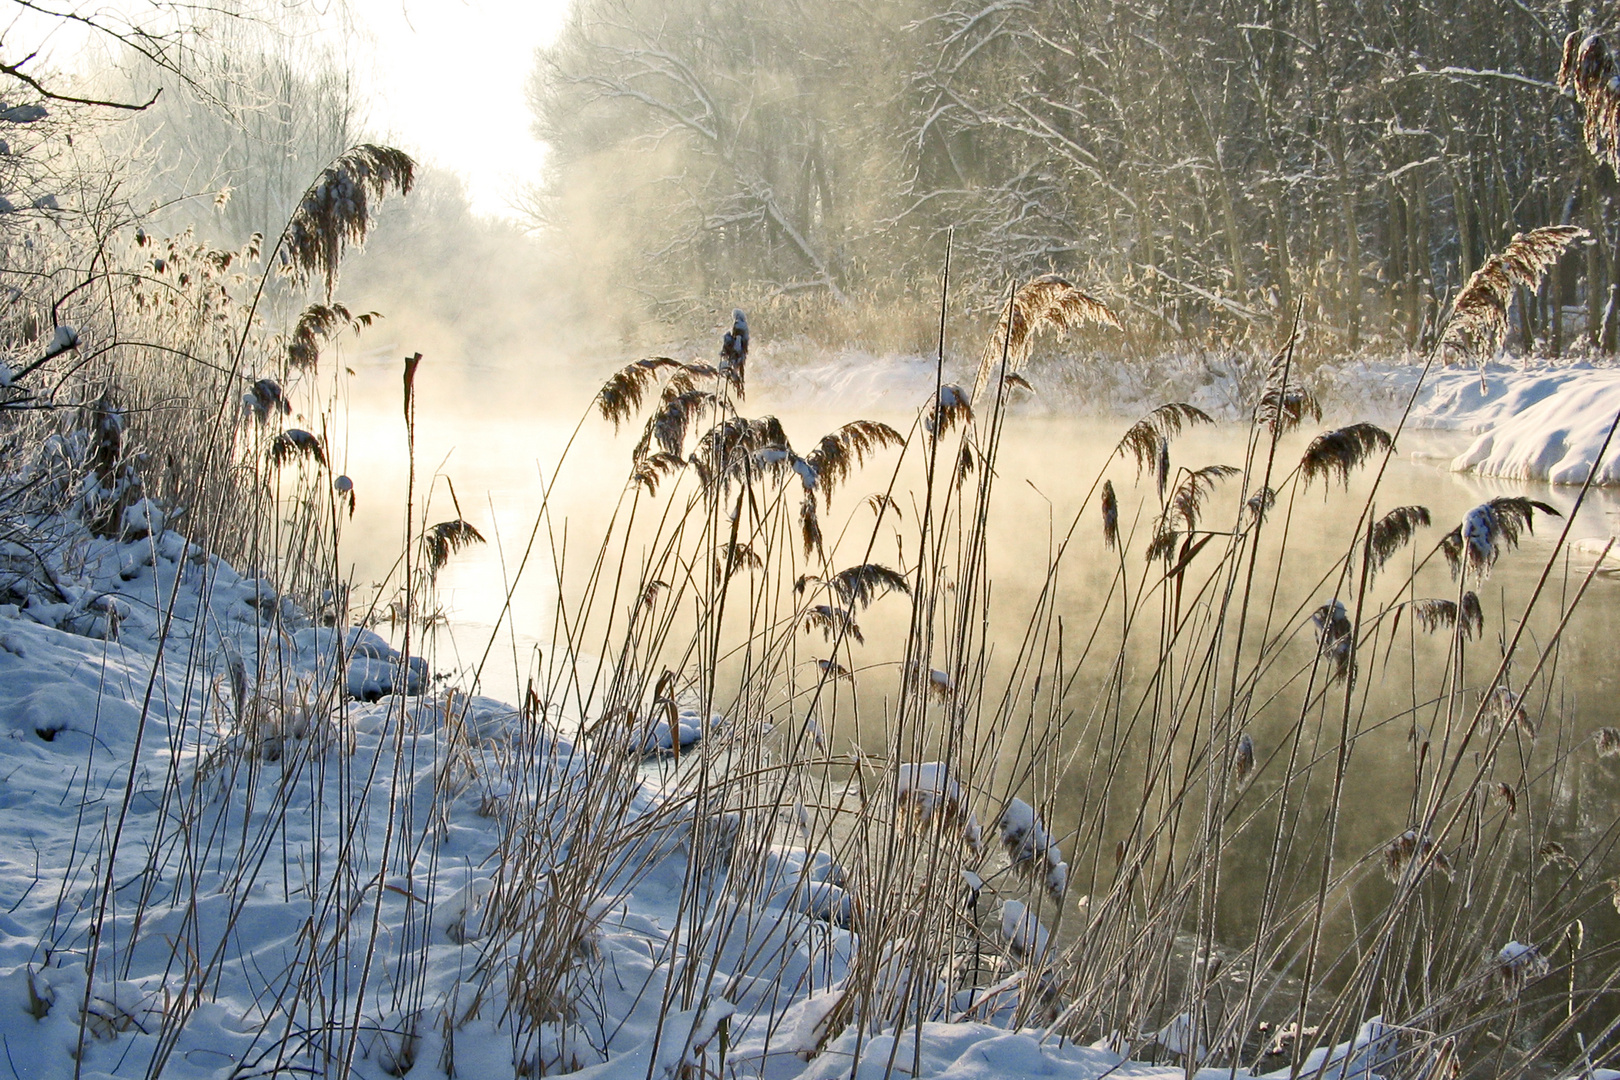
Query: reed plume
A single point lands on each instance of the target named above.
(736, 556)
(1504, 794)
(336, 210)
(1552, 853)
(859, 585)
(1436, 614)
(344, 487)
(1147, 440)
(264, 397)
(653, 468)
(809, 525)
(295, 443)
(883, 504)
(1607, 742)
(1243, 760)
(1335, 638)
(1163, 543)
(1392, 532)
(1187, 503)
(1474, 546)
(734, 353)
(620, 397)
(1588, 70)
(668, 426)
(928, 791)
(1110, 515)
(1284, 408)
(1516, 967)
(1048, 303)
(321, 321)
(1032, 853)
(1183, 509)
(832, 669)
(1337, 452)
(1260, 504)
(1479, 316)
(832, 621)
(1506, 709)
(949, 408)
(1406, 848)
(964, 465)
(688, 377)
(838, 454)
(444, 539)
(736, 441)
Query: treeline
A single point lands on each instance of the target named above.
(1204, 165)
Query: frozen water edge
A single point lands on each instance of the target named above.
(251, 724)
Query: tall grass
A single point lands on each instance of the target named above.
(780, 695)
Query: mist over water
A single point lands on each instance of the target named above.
(501, 449)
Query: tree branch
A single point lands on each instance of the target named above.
(17, 73)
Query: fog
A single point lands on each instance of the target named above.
(1062, 438)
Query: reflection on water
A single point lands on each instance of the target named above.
(501, 458)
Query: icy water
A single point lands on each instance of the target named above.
(499, 449)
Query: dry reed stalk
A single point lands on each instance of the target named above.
(1588, 70)
(1474, 546)
(444, 539)
(1047, 304)
(1478, 321)
(336, 210)
(296, 443)
(1392, 532)
(1435, 614)
(1338, 452)
(840, 453)
(321, 321)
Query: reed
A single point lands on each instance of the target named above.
(789, 716)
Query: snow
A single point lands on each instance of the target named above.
(1541, 421)
(1535, 420)
(150, 688)
(1031, 849)
(928, 788)
(1025, 934)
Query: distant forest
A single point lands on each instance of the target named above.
(1202, 165)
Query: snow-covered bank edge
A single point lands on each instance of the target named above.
(1538, 421)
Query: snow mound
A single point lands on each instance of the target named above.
(1557, 436)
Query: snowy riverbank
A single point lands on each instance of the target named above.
(1533, 420)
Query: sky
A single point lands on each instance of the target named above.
(448, 81)
(446, 77)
